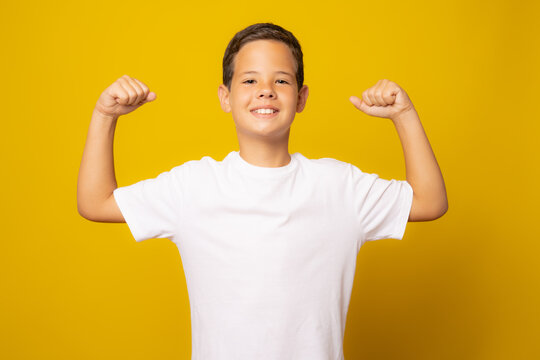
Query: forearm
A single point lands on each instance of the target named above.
(423, 172)
(97, 179)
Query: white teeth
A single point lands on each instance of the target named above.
(264, 111)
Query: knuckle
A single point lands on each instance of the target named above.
(141, 85)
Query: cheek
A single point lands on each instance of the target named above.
(291, 98)
(242, 98)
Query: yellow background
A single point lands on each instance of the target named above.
(465, 286)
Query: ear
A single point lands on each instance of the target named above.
(302, 98)
(223, 94)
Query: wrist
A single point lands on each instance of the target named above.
(405, 115)
(105, 117)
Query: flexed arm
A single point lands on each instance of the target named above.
(387, 100)
(97, 181)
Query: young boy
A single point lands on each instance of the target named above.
(268, 239)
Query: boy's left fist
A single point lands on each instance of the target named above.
(385, 99)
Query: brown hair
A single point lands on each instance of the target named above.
(262, 31)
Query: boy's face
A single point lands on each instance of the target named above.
(264, 77)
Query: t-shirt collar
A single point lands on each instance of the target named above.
(262, 171)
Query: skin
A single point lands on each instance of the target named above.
(386, 99)
(97, 181)
(263, 142)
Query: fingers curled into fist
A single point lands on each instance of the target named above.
(384, 99)
(123, 96)
(132, 91)
(381, 94)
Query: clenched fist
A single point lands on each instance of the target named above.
(385, 99)
(123, 96)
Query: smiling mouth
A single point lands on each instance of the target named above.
(265, 113)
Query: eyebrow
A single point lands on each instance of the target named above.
(276, 72)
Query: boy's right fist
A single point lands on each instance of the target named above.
(123, 96)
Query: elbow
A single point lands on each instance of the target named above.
(83, 204)
(443, 210)
(439, 211)
(100, 211)
(444, 206)
(85, 211)
(427, 211)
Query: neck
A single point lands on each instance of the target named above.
(265, 152)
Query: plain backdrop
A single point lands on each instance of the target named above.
(465, 286)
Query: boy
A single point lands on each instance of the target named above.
(268, 239)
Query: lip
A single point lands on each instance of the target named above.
(264, 116)
(264, 107)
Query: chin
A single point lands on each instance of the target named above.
(267, 134)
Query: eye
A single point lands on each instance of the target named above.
(284, 81)
(249, 81)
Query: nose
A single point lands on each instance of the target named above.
(266, 91)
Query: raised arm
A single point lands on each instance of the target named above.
(423, 172)
(386, 99)
(97, 181)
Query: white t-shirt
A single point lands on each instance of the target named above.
(269, 254)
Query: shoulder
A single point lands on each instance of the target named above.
(187, 170)
(328, 168)
(207, 168)
(345, 173)
(324, 164)
(203, 163)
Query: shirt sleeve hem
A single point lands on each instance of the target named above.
(404, 212)
(129, 217)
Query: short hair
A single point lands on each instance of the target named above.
(262, 31)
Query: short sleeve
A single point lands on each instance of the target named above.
(383, 206)
(151, 207)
